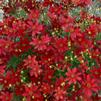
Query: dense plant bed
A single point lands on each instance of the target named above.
(50, 50)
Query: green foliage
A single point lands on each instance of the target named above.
(75, 11)
(15, 61)
(25, 76)
(17, 98)
(17, 39)
(91, 62)
(64, 34)
(59, 73)
(84, 25)
(44, 18)
(95, 8)
(75, 63)
(70, 88)
(98, 37)
(73, 59)
(20, 13)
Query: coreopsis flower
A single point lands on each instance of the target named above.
(31, 61)
(29, 90)
(59, 94)
(50, 50)
(73, 76)
(34, 14)
(76, 34)
(5, 46)
(60, 82)
(54, 12)
(40, 44)
(46, 88)
(10, 78)
(92, 30)
(89, 86)
(83, 2)
(32, 93)
(47, 2)
(6, 96)
(48, 74)
(67, 23)
(33, 65)
(2, 70)
(96, 73)
(61, 44)
(19, 89)
(35, 27)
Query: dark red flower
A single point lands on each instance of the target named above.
(2, 70)
(6, 96)
(40, 44)
(59, 94)
(61, 44)
(33, 65)
(34, 16)
(73, 76)
(89, 86)
(36, 28)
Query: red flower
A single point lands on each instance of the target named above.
(32, 93)
(36, 28)
(34, 14)
(40, 44)
(10, 78)
(48, 74)
(33, 65)
(96, 73)
(92, 30)
(47, 2)
(67, 23)
(73, 76)
(30, 61)
(76, 34)
(83, 2)
(89, 86)
(6, 96)
(45, 88)
(59, 94)
(58, 40)
(2, 70)
(61, 44)
(5, 46)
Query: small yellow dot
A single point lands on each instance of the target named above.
(10, 85)
(24, 99)
(5, 26)
(45, 95)
(63, 84)
(69, 43)
(71, 59)
(22, 72)
(66, 57)
(33, 97)
(82, 61)
(52, 86)
(22, 80)
(20, 50)
(50, 66)
(90, 56)
(39, 82)
(56, 64)
(29, 85)
(89, 33)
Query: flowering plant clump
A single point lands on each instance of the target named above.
(50, 50)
